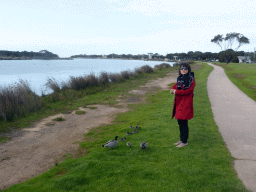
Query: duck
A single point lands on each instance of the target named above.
(144, 145)
(128, 133)
(128, 144)
(111, 143)
(134, 131)
(122, 139)
(137, 127)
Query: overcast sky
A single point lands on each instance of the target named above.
(70, 27)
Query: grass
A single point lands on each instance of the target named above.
(243, 76)
(80, 112)
(3, 139)
(204, 165)
(92, 107)
(59, 119)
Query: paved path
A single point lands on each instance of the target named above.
(235, 115)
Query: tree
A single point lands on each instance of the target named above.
(190, 55)
(228, 55)
(230, 40)
(198, 55)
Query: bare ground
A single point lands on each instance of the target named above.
(33, 150)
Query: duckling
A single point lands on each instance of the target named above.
(111, 143)
(144, 145)
(134, 131)
(128, 133)
(128, 144)
(131, 127)
(137, 127)
(122, 139)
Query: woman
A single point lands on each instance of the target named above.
(183, 102)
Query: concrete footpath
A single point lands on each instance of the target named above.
(235, 115)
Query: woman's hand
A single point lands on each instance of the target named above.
(173, 91)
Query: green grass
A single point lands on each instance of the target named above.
(204, 165)
(243, 76)
(59, 119)
(80, 112)
(92, 107)
(3, 139)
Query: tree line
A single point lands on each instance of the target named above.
(120, 56)
(43, 54)
(191, 55)
(209, 56)
(227, 53)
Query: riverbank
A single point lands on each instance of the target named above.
(19, 102)
(163, 167)
(44, 143)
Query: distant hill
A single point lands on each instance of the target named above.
(10, 55)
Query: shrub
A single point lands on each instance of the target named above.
(93, 81)
(138, 70)
(18, 100)
(147, 69)
(115, 77)
(162, 66)
(125, 74)
(64, 85)
(76, 83)
(132, 74)
(103, 78)
(52, 84)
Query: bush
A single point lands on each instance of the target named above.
(93, 81)
(103, 78)
(125, 74)
(17, 101)
(115, 77)
(147, 69)
(64, 85)
(52, 84)
(138, 70)
(162, 66)
(77, 83)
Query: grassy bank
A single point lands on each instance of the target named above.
(73, 95)
(20, 106)
(204, 165)
(243, 76)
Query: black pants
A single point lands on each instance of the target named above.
(183, 130)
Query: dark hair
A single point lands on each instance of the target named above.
(185, 65)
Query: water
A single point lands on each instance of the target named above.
(36, 72)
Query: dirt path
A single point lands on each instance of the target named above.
(32, 151)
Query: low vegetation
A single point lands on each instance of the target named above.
(204, 165)
(19, 101)
(59, 119)
(242, 75)
(80, 112)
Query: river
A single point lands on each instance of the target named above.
(36, 72)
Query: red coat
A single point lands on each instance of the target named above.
(183, 102)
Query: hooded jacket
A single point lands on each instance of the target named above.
(183, 102)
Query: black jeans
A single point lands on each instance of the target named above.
(183, 130)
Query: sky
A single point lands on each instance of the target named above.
(103, 27)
